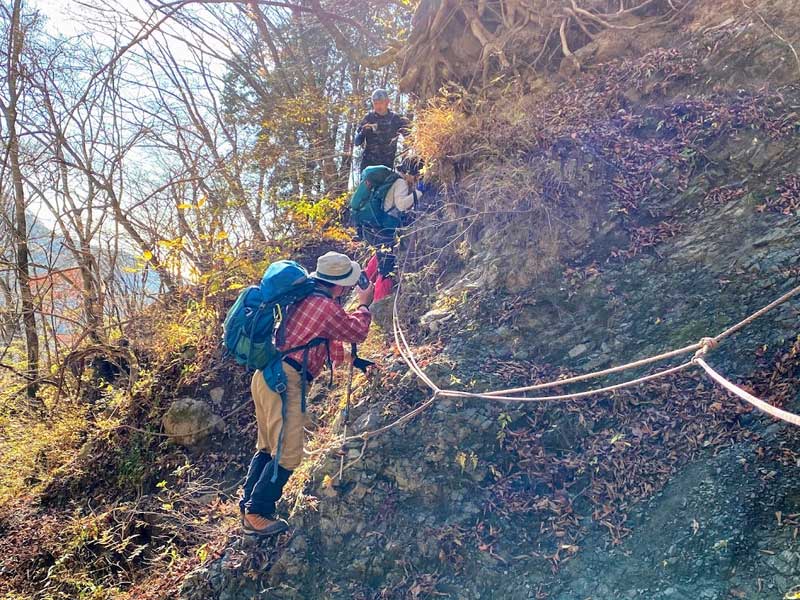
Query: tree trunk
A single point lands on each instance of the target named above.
(20, 222)
(8, 318)
(92, 294)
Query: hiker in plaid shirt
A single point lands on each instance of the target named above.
(317, 316)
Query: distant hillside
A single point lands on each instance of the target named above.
(49, 251)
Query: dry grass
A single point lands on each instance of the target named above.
(436, 131)
(33, 447)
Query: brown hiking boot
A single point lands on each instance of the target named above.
(257, 525)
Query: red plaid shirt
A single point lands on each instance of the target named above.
(319, 316)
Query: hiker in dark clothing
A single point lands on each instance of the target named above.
(378, 132)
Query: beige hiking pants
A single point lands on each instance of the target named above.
(268, 416)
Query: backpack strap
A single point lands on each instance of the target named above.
(280, 378)
(281, 389)
(287, 312)
(306, 348)
(284, 404)
(276, 380)
(304, 366)
(322, 292)
(260, 308)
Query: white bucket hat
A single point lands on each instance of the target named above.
(338, 269)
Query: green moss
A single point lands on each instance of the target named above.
(133, 462)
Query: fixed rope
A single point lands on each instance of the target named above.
(773, 411)
(745, 322)
(407, 354)
(572, 396)
(701, 348)
(703, 345)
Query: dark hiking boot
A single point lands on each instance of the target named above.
(257, 525)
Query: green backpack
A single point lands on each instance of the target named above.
(366, 205)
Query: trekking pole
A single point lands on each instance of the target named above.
(346, 413)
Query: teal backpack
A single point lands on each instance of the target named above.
(253, 328)
(253, 320)
(366, 205)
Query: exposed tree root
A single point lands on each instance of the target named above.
(471, 41)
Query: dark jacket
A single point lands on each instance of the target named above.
(380, 146)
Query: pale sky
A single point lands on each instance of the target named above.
(62, 15)
(70, 18)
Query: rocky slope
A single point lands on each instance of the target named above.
(681, 175)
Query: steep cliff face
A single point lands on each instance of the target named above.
(675, 193)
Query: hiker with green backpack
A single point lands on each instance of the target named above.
(288, 328)
(379, 206)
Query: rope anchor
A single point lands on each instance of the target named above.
(707, 344)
